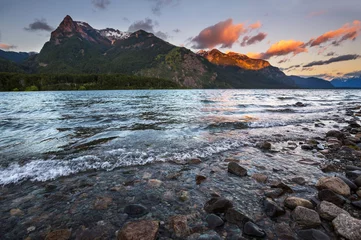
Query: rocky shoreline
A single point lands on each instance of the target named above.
(223, 197)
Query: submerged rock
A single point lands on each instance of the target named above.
(306, 218)
(211, 235)
(236, 217)
(348, 182)
(293, 202)
(282, 185)
(61, 234)
(284, 231)
(101, 203)
(347, 226)
(330, 196)
(179, 224)
(252, 229)
(273, 193)
(264, 145)
(135, 210)
(261, 178)
(139, 230)
(236, 169)
(330, 211)
(214, 221)
(312, 234)
(200, 179)
(336, 134)
(335, 184)
(218, 205)
(272, 209)
(298, 180)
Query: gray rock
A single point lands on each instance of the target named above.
(236, 217)
(272, 209)
(357, 204)
(252, 229)
(353, 175)
(335, 184)
(214, 221)
(135, 210)
(236, 169)
(351, 167)
(336, 134)
(264, 145)
(273, 193)
(211, 235)
(218, 205)
(306, 218)
(330, 211)
(330, 196)
(348, 182)
(293, 202)
(285, 187)
(284, 231)
(347, 226)
(312, 234)
(306, 147)
(298, 180)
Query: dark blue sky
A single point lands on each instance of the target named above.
(285, 32)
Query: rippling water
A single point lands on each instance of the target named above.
(45, 135)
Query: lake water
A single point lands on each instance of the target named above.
(45, 135)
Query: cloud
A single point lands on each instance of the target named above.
(177, 30)
(101, 4)
(125, 19)
(353, 74)
(283, 60)
(247, 40)
(346, 32)
(39, 25)
(255, 25)
(281, 48)
(148, 26)
(316, 14)
(224, 33)
(341, 58)
(330, 54)
(160, 4)
(7, 46)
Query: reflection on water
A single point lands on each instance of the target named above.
(117, 128)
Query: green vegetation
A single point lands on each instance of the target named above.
(52, 82)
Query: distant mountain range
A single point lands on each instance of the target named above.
(76, 47)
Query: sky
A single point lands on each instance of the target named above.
(302, 37)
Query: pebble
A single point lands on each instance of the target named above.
(252, 229)
(179, 224)
(236, 169)
(214, 221)
(200, 179)
(305, 217)
(293, 202)
(135, 210)
(218, 205)
(272, 209)
(16, 212)
(139, 230)
(61, 234)
(261, 178)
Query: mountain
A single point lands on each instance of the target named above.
(353, 82)
(9, 66)
(311, 82)
(16, 57)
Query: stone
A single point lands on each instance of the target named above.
(200, 179)
(329, 211)
(195, 161)
(328, 168)
(293, 202)
(264, 145)
(61, 234)
(335, 133)
(50, 187)
(139, 230)
(273, 193)
(330, 196)
(312, 234)
(272, 209)
(284, 231)
(236, 169)
(261, 178)
(353, 175)
(155, 183)
(335, 184)
(179, 224)
(212, 235)
(347, 226)
(306, 147)
(16, 212)
(299, 104)
(252, 229)
(101, 203)
(236, 217)
(348, 182)
(31, 229)
(356, 204)
(282, 185)
(135, 210)
(307, 161)
(213, 221)
(183, 195)
(306, 218)
(358, 192)
(298, 180)
(218, 205)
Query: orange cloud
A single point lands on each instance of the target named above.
(255, 25)
(346, 32)
(315, 14)
(247, 40)
(223, 33)
(6, 46)
(281, 48)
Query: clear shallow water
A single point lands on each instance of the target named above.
(45, 135)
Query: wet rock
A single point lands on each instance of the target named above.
(264, 145)
(273, 193)
(139, 230)
(272, 209)
(61, 234)
(211, 235)
(236, 169)
(347, 226)
(184, 196)
(306, 147)
(195, 161)
(214, 221)
(358, 192)
(335, 184)
(312, 234)
(356, 204)
(354, 124)
(299, 104)
(16, 212)
(179, 224)
(252, 229)
(218, 205)
(336, 134)
(353, 175)
(349, 183)
(135, 210)
(329, 211)
(315, 202)
(200, 179)
(293, 202)
(101, 203)
(50, 187)
(307, 161)
(236, 217)
(298, 180)
(261, 178)
(282, 185)
(305, 217)
(328, 168)
(31, 229)
(332, 197)
(284, 231)
(155, 183)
